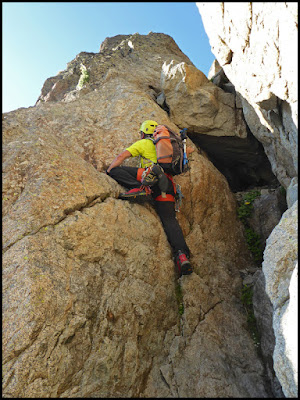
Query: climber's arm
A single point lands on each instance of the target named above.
(119, 159)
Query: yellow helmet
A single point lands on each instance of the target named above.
(148, 127)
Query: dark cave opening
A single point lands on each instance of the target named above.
(243, 162)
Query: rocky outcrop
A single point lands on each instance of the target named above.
(263, 311)
(267, 212)
(256, 47)
(280, 268)
(124, 56)
(209, 111)
(215, 122)
(89, 288)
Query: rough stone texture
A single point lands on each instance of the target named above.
(91, 316)
(292, 192)
(266, 214)
(214, 70)
(199, 346)
(263, 312)
(256, 45)
(280, 268)
(126, 56)
(242, 161)
(215, 123)
(210, 110)
(89, 303)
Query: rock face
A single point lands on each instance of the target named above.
(209, 111)
(215, 121)
(263, 311)
(267, 211)
(89, 287)
(256, 47)
(280, 268)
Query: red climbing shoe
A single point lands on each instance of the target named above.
(183, 264)
(142, 193)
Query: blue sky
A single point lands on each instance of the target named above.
(39, 39)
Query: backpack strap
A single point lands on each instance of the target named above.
(162, 137)
(168, 156)
(147, 162)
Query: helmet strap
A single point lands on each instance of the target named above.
(145, 135)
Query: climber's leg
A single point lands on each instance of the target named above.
(126, 176)
(167, 214)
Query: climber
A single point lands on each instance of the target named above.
(164, 203)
